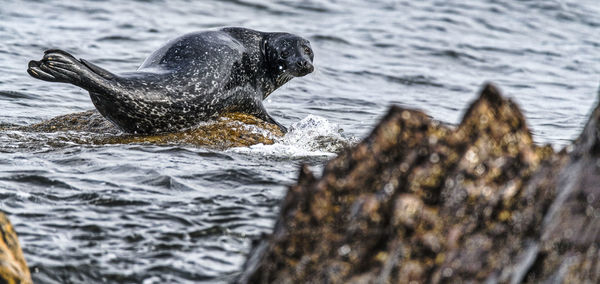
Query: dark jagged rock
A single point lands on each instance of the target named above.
(89, 127)
(420, 201)
(13, 268)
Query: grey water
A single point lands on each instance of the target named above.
(180, 214)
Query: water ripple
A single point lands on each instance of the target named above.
(174, 214)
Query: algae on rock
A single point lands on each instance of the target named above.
(89, 127)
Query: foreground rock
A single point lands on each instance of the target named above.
(419, 201)
(13, 268)
(89, 127)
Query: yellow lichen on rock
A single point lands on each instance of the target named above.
(13, 268)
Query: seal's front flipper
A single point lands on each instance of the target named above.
(281, 127)
(267, 118)
(60, 66)
(256, 108)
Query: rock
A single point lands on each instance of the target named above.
(87, 121)
(231, 130)
(420, 201)
(13, 268)
(89, 127)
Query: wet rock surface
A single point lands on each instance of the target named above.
(420, 201)
(87, 121)
(13, 268)
(90, 127)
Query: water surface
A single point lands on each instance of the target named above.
(156, 214)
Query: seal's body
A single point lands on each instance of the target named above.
(191, 79)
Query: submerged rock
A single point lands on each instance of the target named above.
(420, 201)
(231, 130)
(90, 127)
(87, 121)
(13, 268)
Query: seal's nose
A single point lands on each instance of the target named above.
(305, 65)
(302, 63)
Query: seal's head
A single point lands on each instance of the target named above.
(288, 56)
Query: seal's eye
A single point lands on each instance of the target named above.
(307, 50)
(285, 54)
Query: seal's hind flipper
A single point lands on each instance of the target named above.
(35, 71)
(98, 70)
(60, 66)
(52, 71)
(56, 66)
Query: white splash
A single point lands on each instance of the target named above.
(311, 136)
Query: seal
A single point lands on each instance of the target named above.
(190, 79)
